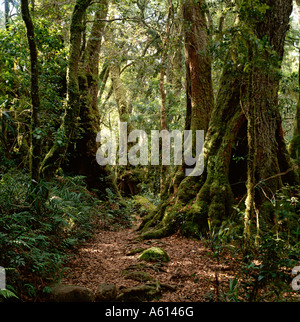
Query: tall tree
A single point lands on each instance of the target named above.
(57, 153)
(199, 83)
(163, 94)
(36, 145)
(83, 151)
(294, 147)
(210, 197)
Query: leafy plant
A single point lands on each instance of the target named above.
(33, 243)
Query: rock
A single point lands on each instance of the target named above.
(70, 293)
(140, 293)
(154, 254)
(139, 276)
(106, 293)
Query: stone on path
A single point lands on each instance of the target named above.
(70, 293)
(106, 293)
(154, 254)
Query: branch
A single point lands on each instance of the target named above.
(134, 19)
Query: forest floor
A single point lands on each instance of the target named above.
(192, 269)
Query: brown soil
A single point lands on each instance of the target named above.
(192, 268)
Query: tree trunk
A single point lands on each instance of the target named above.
(57, 154)
(210, 197)
(163, 93)
(250, 112)
(120, 92)
(199, 64)
(36, 145)
(84, 146)
(6, 12)
(294, 147)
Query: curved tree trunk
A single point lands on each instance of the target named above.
(209, 197)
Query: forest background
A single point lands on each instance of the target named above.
(70, 69)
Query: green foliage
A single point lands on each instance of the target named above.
(264, 274)
(15, 84)
(34, 244)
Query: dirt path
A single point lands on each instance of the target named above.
(191, 268)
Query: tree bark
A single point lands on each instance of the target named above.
(119, 91)
(199, 64)
(6, 12)
(36, 144)
(294, 147)
(57, 153)
(85, 146)
(163, 93)
(210, 197)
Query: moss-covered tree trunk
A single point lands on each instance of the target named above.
(83, 150)
(36, 144)
(71, 117)
(210, 197)
(57, 154)
(119, 91)
(81, 120)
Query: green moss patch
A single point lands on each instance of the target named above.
(154, 254)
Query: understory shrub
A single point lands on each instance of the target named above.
(37, 227)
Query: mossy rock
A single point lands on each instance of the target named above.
(154, 254)
(70, 293)
(140, 293)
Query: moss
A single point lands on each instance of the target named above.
(188, 188)
(267, 213)
(140, 293)
(154, 217)
(143, 203)
(195, 222)
(155, 234)
(154, 254)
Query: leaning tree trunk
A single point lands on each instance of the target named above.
(210, 197)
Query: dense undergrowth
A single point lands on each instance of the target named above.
(264, 270)
(36, 235)
(39, 234)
